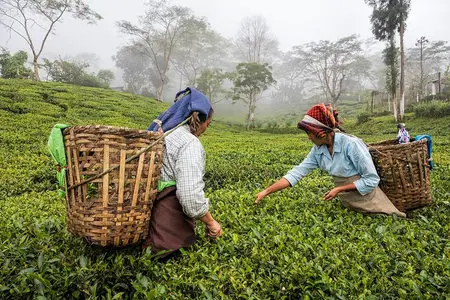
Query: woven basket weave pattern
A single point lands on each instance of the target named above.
(404, 172)
(114, 209)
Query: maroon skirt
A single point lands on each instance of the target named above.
(170, 228)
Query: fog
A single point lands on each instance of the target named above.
(290, 22)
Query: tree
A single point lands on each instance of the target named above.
(158, 34)
(389, 16)
(13, 66)
(106, 76)
(403, 9)
(447, 78)
(420, 43)
(436, 54)
(67, 72)
(199, 48)
(75, 73)
(377, 71)
(138, 74)
(47, 66)
(254, 42)
(291, 79)
(429, 57)
(331, 63)
(249, 81)
(390, 54)
(23, 16)
(210, 82)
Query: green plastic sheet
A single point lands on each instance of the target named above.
(55, 146)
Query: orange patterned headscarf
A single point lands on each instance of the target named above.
(319, 120)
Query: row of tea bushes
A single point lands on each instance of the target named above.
(291, 246)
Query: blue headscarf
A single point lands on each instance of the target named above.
(191, 100)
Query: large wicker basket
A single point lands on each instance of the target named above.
(404, 172)
(110, 187)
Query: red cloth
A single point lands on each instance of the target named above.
(325, 114)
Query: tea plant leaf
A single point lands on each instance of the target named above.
(292, 245)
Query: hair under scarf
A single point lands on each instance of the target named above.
(319, 120)
(191, 100)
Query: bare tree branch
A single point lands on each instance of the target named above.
(21, 12)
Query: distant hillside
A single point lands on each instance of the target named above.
(58, 102)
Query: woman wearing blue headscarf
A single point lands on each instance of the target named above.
(181, 200)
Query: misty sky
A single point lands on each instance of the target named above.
(293, 22)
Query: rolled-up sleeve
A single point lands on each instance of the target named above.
(303, 169)
(360, 157)
(189, 173)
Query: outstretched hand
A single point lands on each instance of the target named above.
(330, 195)
(260, 196)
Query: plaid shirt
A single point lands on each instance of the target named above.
(184, 162)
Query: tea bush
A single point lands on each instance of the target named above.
(293, 245)
(363, 118)
(433, 109)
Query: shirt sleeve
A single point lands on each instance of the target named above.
(362, 160)
(189, 171)
(303, 169)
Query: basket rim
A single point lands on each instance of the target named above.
(104, 127)
(380, 145)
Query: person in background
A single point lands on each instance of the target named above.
(345, 157)
(181, 199)
(403, 135)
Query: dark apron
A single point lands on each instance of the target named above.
(170, 228)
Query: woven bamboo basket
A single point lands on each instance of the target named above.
(404, 172)
(111, 182)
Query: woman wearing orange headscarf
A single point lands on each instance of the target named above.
(343, 156)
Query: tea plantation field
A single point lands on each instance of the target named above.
(292, 246)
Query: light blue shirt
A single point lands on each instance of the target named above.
(350, 157)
